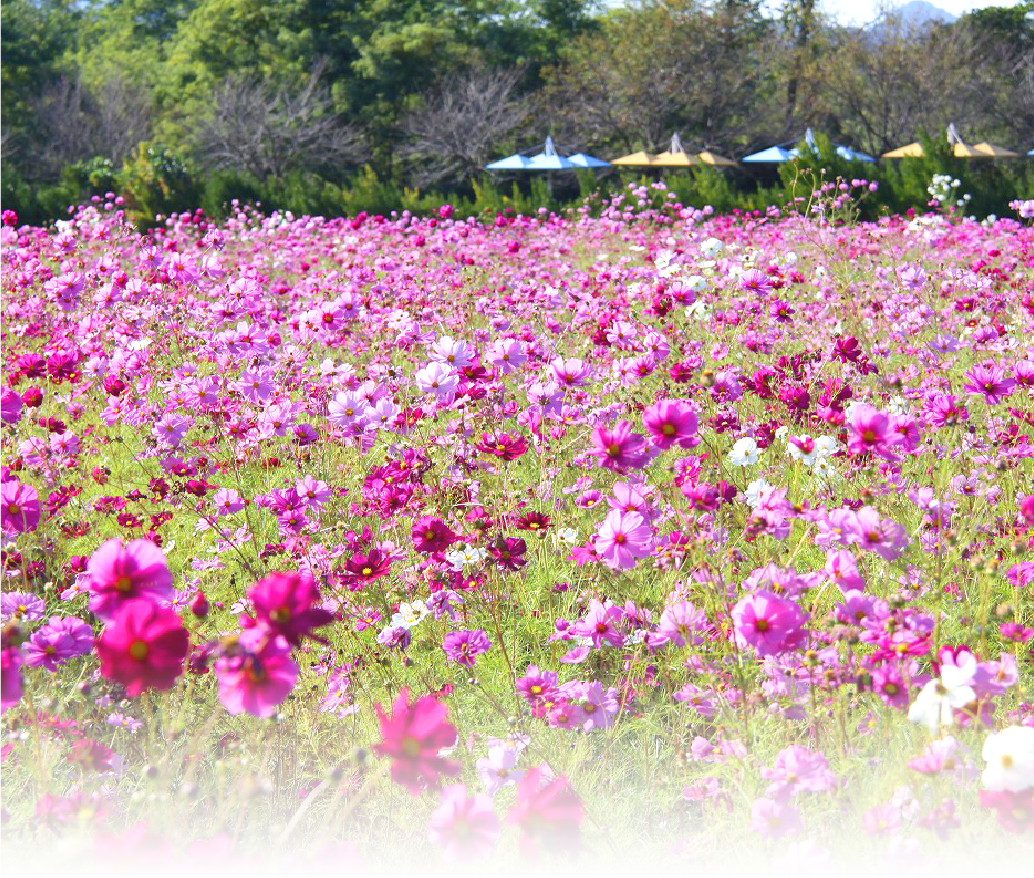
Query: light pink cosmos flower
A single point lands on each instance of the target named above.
(437, 379)
(451, 352)
(797, 770)
(497, 770)
(600, 624)
(775, 819)
(619, 448)
(507, 355)
(623, 538)
(464, 827)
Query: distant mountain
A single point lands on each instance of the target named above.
(920, 12)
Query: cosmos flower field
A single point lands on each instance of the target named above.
(576, 542)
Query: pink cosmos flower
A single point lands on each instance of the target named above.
(883, 820)
(462, 646)
(143, 646)
(19, 507)
(255, 674)
(769, 623)
(412, 736)
(775, 819)
(803, 859)
(10, 674)
(798, 770)
(497, 769)
(547, 811)
(118, 573)
(868, 430)
(432, 535)
(285, 604)
(438, 380)
(671, 422)
(600, 624)
(756, 281)
(620, 448)
(10, 406)
(623, 538)
(464, 826)
(990, 381)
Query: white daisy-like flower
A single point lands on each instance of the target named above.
(409, 615)
(711, 248)
(936, 703)
(744, 453)
(1010, 759)
(752, 493)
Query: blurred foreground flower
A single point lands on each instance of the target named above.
(143, 647)
(411, 737)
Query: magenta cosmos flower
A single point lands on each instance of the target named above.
(19, 507)
(869, 430)
(411, 737)
(804, 859)
(463, 826)
(256, 674)
(769, 623)
(432, 535)
(669, 422)
(463, 646)
(143, 647)
(10, 406)
(619, 448)
(284, 605)
(990, 381)
(119, 573)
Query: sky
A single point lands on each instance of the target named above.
(864, 11)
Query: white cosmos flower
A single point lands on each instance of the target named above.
(409, 615)
(935, 705)
(1010, 759)
(744, 453)
(753, 492)
(711, 248)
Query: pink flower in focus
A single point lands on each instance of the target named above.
(869, 430)
(620, 448)
(990, 381)
(669, 422)
(118, 573)
(624, 537)
(19, 507)
(769, 623)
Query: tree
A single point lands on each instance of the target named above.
(667, 66)
(267, 129)
(74, 124)
(451, 133)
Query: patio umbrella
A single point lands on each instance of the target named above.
(911, 151)
(718, 161)
(995, 152)
(635, 160)
(675, 156)
(547, 160)
(581, 160)
(784, 152)
(515, 162)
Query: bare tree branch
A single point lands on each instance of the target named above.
(452, 133)
(266, 130)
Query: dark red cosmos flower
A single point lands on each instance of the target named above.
(432, 535)
(535, 521)
(361, 569)
(133, 854)
(508, 553)
(412, 736)
(284, 605)
(143, 647)
(547, 811)
(1015, 809)
(503, 445)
